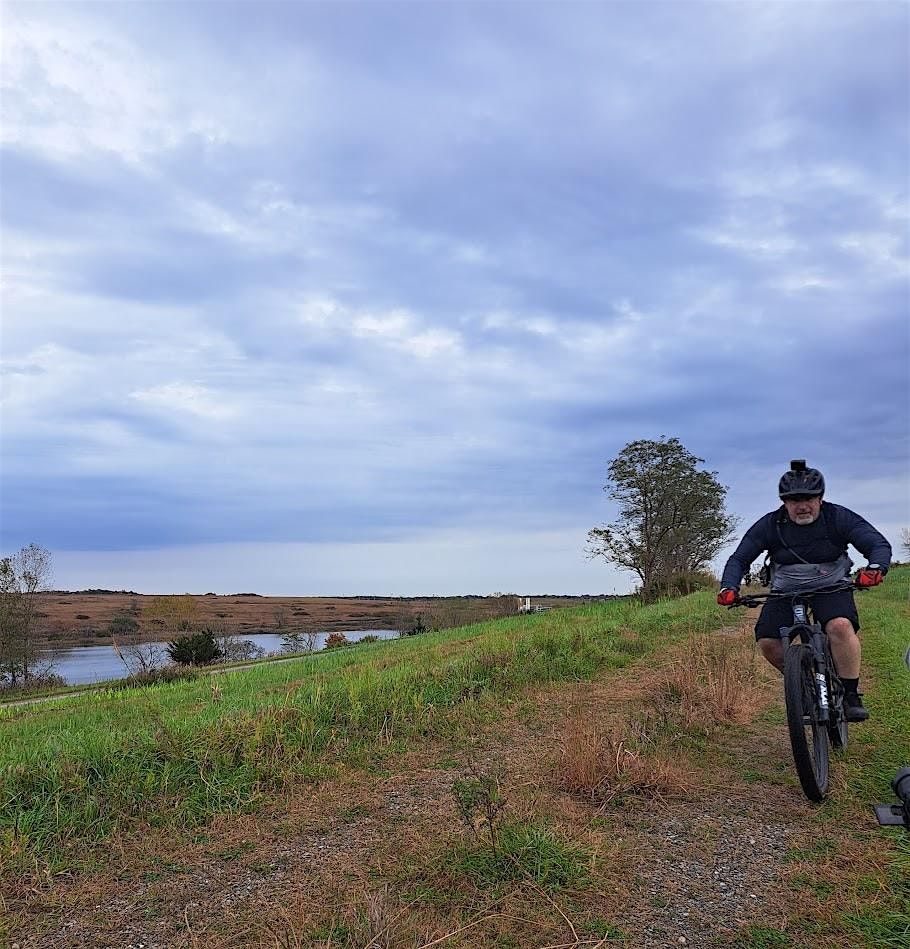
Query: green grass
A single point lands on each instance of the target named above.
(524, 851)
(871, 910)
(763, 937)
(75, 769)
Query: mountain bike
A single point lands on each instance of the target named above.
(813, 691)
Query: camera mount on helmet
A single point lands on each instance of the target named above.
(801, 481)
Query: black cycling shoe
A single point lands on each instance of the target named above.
(854, 710)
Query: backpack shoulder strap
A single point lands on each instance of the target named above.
(784, 544)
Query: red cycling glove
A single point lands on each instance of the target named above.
(869, 577)
(727, 597)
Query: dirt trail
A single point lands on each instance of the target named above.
(691, 871)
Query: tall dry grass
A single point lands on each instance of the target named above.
(717, 681)
(601, 766)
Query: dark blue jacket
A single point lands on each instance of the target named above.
(822, 541)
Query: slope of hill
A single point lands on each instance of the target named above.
(607, 775)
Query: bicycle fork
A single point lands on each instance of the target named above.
(812, 636)
(821, 678)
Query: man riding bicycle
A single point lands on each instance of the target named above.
(807, 530)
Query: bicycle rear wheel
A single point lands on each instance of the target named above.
(808, 737)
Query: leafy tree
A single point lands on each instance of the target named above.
(672, 519)
(195, 649)
(23, 577)
(171, 614)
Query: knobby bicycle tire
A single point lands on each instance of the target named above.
(808, 737)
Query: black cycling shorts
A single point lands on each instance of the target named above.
(826, 606)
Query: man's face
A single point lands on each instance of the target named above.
(803, 509)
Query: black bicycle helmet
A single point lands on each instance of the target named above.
(800, 480)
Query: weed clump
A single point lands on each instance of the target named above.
(527, 850)
(480, 806)
(504, 851)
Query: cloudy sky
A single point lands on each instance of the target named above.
(339, 298)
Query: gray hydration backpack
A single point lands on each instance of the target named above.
(804, 577)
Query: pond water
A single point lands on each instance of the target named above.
(80, 665)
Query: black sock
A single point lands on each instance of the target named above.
(851, 686)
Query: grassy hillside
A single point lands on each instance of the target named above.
(569, 778)
(181, 752)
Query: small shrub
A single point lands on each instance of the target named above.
(336, 641)
(691, 581)
(681, 583)
(480, 805)
(411, 623)
(123, 625)
(195, 649)
(38, 682)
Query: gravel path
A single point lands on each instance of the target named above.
(705, 877)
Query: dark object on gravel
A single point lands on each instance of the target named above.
(897, 815)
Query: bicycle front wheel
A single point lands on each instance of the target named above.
(808, 736)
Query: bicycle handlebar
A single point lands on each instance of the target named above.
(755, 599)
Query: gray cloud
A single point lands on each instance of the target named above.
(337, 274)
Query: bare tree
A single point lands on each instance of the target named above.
(138, 658)
(24, 576)
(233, 649)
(905, 540)
(303, 640)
